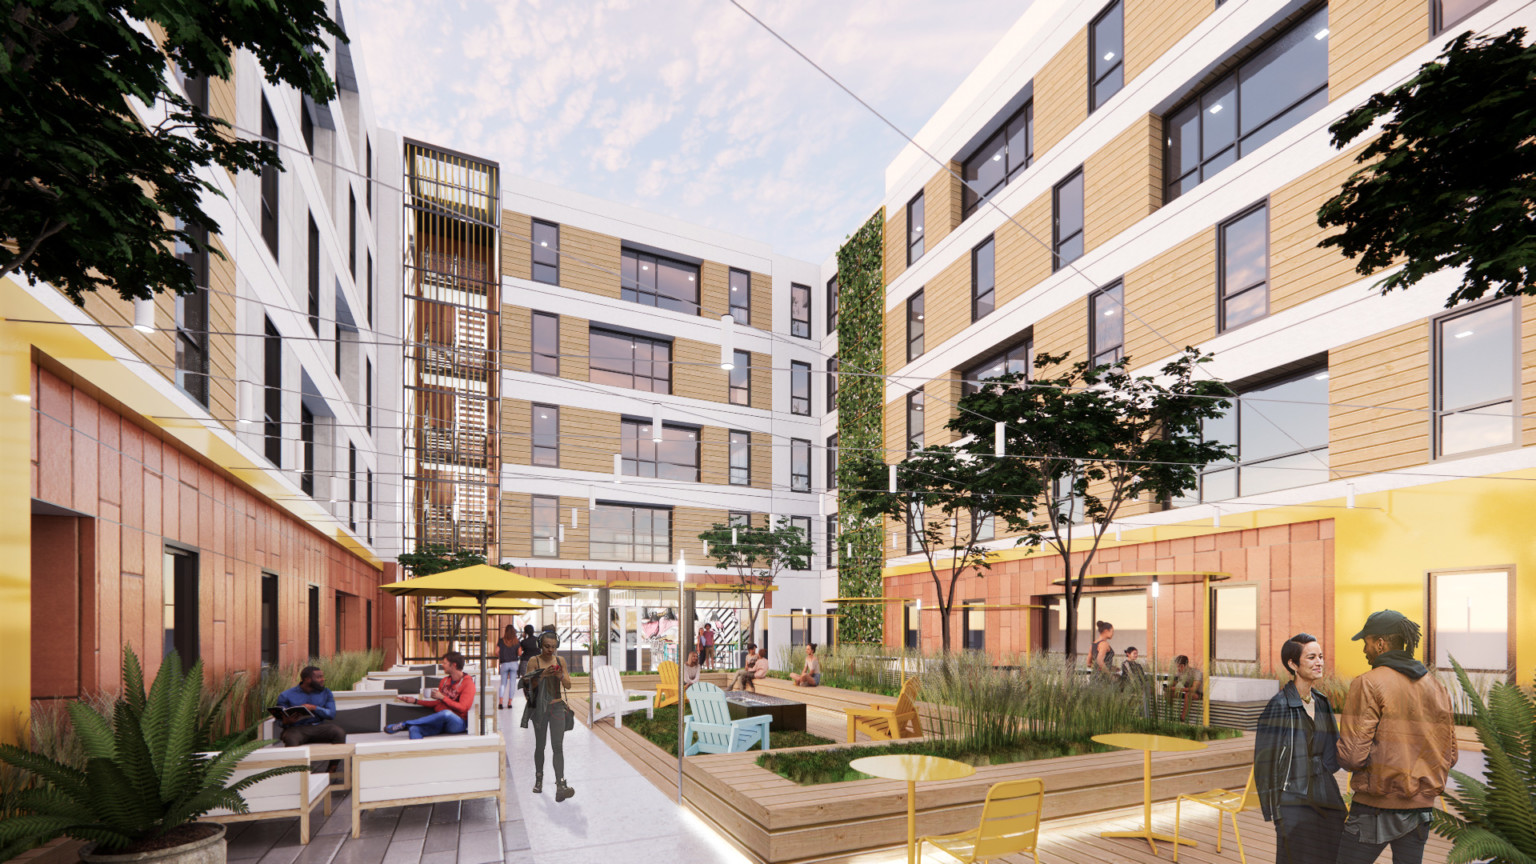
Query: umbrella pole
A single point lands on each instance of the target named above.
(484, 668)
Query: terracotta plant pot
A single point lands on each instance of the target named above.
(209, 850)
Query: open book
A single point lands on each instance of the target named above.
(296, 712)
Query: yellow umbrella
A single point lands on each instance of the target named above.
(459, 605)
(480, 582)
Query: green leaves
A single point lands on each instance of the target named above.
(1497, 818)
(1450, 181)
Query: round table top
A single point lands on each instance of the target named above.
(1154, 743)
(912, 767)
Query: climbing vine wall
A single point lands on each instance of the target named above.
(860, 421)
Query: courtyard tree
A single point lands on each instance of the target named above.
(1450, 180)
(756, 555)
(90, 196)
(1082, 444)
(429, 559)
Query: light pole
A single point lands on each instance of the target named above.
(591, 595)
(682, 685)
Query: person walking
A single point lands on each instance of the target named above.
(508, 652)
(1295, 757)
(528, 648)
(707, 645)
(1102, 658)
(1398, 735)
(552, 717)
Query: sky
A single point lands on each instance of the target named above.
(685, 108)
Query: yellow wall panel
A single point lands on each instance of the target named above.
(1061, 93)
(1366, 36)
(1390, 370)
(1122, 182)
(1299, 270)
(1023, 261)
(1174, 295)
(1152, 27)
(593, 261)
(516, 245)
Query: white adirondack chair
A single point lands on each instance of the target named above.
(710, 729)
(610, 699)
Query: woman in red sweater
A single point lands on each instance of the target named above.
(456, 693)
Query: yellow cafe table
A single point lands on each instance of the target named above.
(912, 768)
(1149, 744)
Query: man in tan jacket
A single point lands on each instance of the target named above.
(1397, 734)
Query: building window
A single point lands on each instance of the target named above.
(1443, 14)
(352, 485)
(661, 282)
(307, 445)
(1266, 95)
(636, 362)
(832, 550)
(914, 229)
(799, 388)
(1242, 268)
(983, 279)
(738, 519)
(372, 290)
(192, 318)
(269, 621)
(272, 402)
(195, 86)
(546, 252)
(804, 524)
(832, 462)
(1470, 621)
(832, 291)
(675, 457)
(800, 311)
(799, 465)
(1476, 382)
(915, 434)
(546, 435)
(179, 612)
(368, 395)
(625, 532)
(307, 126)
(1280, 429)
(916, 520)
(832, 383)
(1067, 221)
(368, 489)
(974, 638)
(741, 296)
(1106, 324)
(741, 378)
(799, 628)
(546, 526)
(1016, 360)
(741, 458)
(1128, 612)
(314, 276)
(1106, 60)
(269, 203)
(909, 624)
(314, 621)
(368, 183)
(1235, 625)
(915, 326)
(999, 159)
(352, 232)
(546, 343)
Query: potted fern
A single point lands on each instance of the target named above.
(153, 765)
(1495, 821)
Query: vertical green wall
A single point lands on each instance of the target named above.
(860, 419)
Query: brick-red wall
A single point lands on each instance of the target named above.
(142, 490)
(1293, 565)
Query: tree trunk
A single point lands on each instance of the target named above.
(944, 611)
(1069, 624)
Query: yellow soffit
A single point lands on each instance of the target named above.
(125, 381)
(693, 586)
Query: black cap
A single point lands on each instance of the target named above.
(1384, 623)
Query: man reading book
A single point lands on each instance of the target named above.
(318, 726)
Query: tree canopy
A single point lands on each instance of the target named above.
(429, 559)
(757, 554)
(1450, 181)
(90, 195)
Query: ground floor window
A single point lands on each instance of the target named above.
(1127, 611)
(1235, 626)
(975, 633)
(910, 615)
(1470, 622)
(179, 604)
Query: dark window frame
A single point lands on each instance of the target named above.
(1058, 239)
(832, 373)
(307, 460)
(272, 401)
(639, 451)
(799, 375)
(916, 328)
(1095, 350)
(653, 555)
(832, 540)
(972, 199)
(831, 461)
(738, 475)
(191, 319)
(537, 451)
(654, 297)
(534, 247)
(991, 292)
(800, 327)
(352, 231)
(833, 290)
(917, 403)
(805, 524)
(971, 372)
(1436, 387)
(314, 275)
(634, 376)
(745, 306)
(1222, 297)
(1251, 387)
(538, 354)
(185, 636)
(270, 203)
(1437, 23)
(271, 620)
(1118, 63)
(915, 247)
(799, 481)
(550, 504)
(744, 370)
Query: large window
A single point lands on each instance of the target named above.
(1444, 13)
(661, 282)
(983, 279)
(832, 290)
(799, 388)
(1242, 268)
(799, 465)
(675, 457)
(546, 526)
(1476, 384)
(1235, 625)
(741, 296)
(1470, 621)
(999, 159)
(741, 458)
(1106, 324)
(1266, 95)
(192, 319)
(800, 311)
(1106, 50)
(909, 624)
(832, 462)
(636, 362)
(1067, 221)
(741, 378)
(272, 401)
(832, 383)
(546, 343)
(269, 621)
(1014, 360)
(832, 550)
(314, 276)
(314, 621)
(269, 181)
(916, 520)
(352, 232)
(626, 532)
(546, 252)
(1281, 432)
(914, 229)
(307, 450)
(804, 524)
(1128, 613)
(974, 637)
(546, 435)
(914, 326)
(179, 605)
(915, 436)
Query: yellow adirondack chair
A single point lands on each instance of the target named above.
(882, 722)
(666, 690)
(1010, 823)
(1225, 801)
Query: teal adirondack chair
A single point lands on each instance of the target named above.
(710, 729)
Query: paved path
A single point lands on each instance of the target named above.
(616, 817)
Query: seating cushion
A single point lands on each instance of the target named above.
(439, 770)
(357, 720)
(400, 713)
(406, 685)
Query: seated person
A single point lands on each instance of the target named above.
(757, 667)
(1187, 680)
(322, 727)
(456, 693)
(1131, 671)
(691, 669)
(810, 674)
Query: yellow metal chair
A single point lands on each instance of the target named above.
(1225, 801)
(1010, 823)
(666, 688)
(883, 722)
